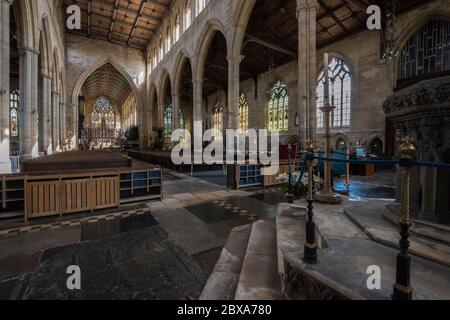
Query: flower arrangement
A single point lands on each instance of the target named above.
(299, 188)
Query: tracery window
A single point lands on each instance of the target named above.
(168, 41)
(278, 108)
(168, 121)
(177, 28)
(218, 119)
(427, 51)
(181, 120)
(14, 113)
(340, 94)
(102, 114)
(243, 113)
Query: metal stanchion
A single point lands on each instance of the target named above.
(290, 194)
(402, 287)
(347, 171)
(310, 252)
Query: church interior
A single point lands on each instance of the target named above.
(351, 97)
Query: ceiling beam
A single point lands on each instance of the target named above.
(89, 18)
(333, 16)
(269, 45)
(136, 21)
(113, 20)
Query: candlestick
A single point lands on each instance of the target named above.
(326, 66)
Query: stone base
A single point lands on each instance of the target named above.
(328, 198)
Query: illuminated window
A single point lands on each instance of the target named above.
(168, 40)
(201, 4)
(181, 120)
(161, 49)
(177, 28)
(278, 108)
(188, 16)
(243, 113)
(340, 94)
(102, 114)
(14, 113)
(218, 120)
(427, 51)
(168, 121)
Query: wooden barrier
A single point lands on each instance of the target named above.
(41, 195)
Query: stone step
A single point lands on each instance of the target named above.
(259, 279)
(224, 279)
(427, 230)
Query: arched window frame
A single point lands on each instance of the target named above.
(177, 28)
(426, 51)
(103, 112)
(14, 99)
(340, 78)
(168, 41)
(243, 113)
(168, 114)
(188, 15)
(278, 107)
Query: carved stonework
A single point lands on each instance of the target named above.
(423, 112)
(300, 286)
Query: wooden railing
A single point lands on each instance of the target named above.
(41, 195)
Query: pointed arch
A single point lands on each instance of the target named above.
(181, 61)
(201, 52)
(164, 81)
(119, 68)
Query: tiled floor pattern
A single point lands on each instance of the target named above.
(71, 223)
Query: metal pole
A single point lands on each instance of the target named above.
(310, 251)
(290, 195)
(347, 170)
(402, 287)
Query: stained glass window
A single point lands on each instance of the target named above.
(340, 94)
(102, 114)
(14, 113)
(427, 51)
(181, 120)
(218, 119)
(243, 113)
(278, 108)
(168, 121)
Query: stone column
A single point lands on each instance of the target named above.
(55, 125)
(306, 15)
(176, 100)
(46, 113)
(28, 124)
(233, 92)
(5, 162)
(197, 118)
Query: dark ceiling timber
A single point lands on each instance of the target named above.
(106, 81)
(130, 23)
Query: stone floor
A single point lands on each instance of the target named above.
(158, 250)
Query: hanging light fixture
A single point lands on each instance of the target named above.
(390, 32)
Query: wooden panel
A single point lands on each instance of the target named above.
(76, 198)
(105, 192)
(42, 199)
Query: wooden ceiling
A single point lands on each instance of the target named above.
(106, 81)
(274, 22)
(126, 22)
